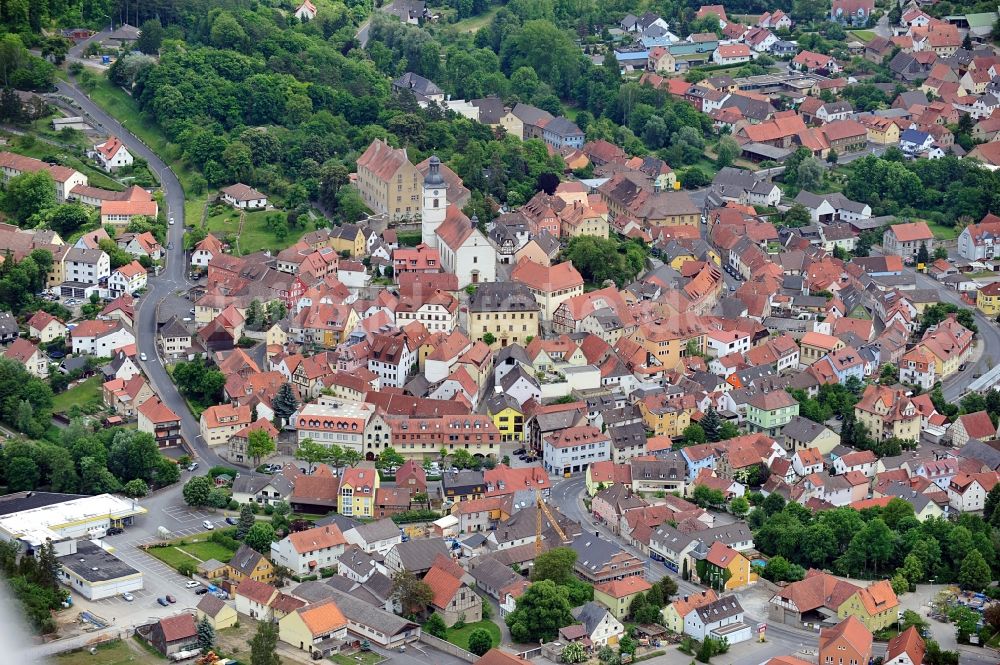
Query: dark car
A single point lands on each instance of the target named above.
(171, 600)
(162, 601)
(201, 592)
(232, 520)
(519, 451)
(115, 530)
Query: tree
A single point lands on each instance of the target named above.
(974, 574)
(779, 569)
(196, 491)
(284, 404)
(705, 496)
(480, 641)
(29, 193)
(489, 339)
(627, 644)
(133, 454)
(541, 611)
(739, 506)
(136, 488)
(389, 458)
(150, 38)
(832, 156)
(573, 653)
(206, 634)
(710, 423)
(796, 216)
(259, 445)
(412, 593)
(810, 173)
(992, 501)
(435, 626)
(22, 474)
(694, 434)
(260, 536)
(726, 152)
(264, 645)
(314, 453)
(728, 431)
(166, 472)
(66, 219)
(555, 564)
(923, 256)
(218, 498)
(245, 522)
(889, 374)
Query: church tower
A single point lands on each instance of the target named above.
(435, 204)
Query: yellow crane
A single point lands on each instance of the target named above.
(543, 508)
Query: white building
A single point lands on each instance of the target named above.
(306, 11)
(392, 359)
(967, 492)
(379, 536)
(723, 342)
(720, 619)
(112, 154)
(95, 573)
(306, 552)
(100, 338)
(86, 266)
(334, 422)
(128, 278)
(573, 449)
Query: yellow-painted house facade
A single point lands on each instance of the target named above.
(357, 492)
(877, 607)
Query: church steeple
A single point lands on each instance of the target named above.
(434, 208)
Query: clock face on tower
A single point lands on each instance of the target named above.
(435, 192)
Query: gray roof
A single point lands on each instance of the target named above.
(343, 522)
(314, 591)
(357, 560)
(94, 564)
(503, 297)
(174, 328)
(8, 324)
(245, 559)
(89, 256)
(418, 555)
(464, 478)
(723, 608)
(590, 615)
(497, 402)
(531, 115)
(512, 352)
(664, 468)
(802, 429)
(252, 482)
(916, 499)
(512, 377)
(625, 436)
(490, 109)
(492, 574)
(728, 534)
(594, 552)
(211, 604)
(676, 540)
(548, 242)
(360, 612)
(563, 127)
(418, 84)
(384, 529)
(987, 452)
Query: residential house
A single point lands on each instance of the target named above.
(722, 618)
(318, 628)
(388, 182)
(675, 613)
(218, 613)
(244, 197)
(846, 643)
(770, 411)
(907, 648)
(976, 425)
(617, 595)
(906, 239)
(453, 599)
(377, 537)
(112, 154)
(967, 492)
(25, 353)
(724, 568)
(503, 313)
(248, 563)
(358, 487)
(172, 634)
(600, 626)
(875, 606)
(307, 552)
(158, 419)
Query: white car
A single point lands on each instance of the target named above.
(128, 597)
(192, 584)
(142, 357)
(208, 525)
(171, 221)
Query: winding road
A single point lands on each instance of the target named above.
(169, 284)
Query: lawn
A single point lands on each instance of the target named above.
(474, 23)
(255, 235)
(114, 653)
(460, 637)
(84, 394)
(863, 35)
(194, 553)
(942, 232)
(32, 147)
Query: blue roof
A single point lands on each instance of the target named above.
(630, 56)
(914, 136)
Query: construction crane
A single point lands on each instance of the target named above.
(543, 508)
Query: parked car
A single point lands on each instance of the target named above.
(192, 584)
(171, 600)
(162, 601)
(208, 525)
(114, 531)
(142, 357)
(201, 591)
(128, 597)
(232, 521)
(192, 466)
(519, 452)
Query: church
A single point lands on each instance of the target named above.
(464, 249)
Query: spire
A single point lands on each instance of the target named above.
(434, 178)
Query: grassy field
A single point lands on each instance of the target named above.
(83, 394)
(195, 553)
(942, 232)
(474, 23)
(863, 35)
(360, 658)
(460, 637)
(115, 653)
(255, 236)
(28, 145)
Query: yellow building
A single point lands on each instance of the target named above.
(726, 568)
(358, 486)
(988, 299)
(507, 415)
(678, 260)
(671, 341)
(877, 607)
(888, 413)
(348, 238)
(667, 415)
(883, 131)
(617, 595)
(217, 612)
(249, 563)
(307, 626)
(388, 182)
(674, 613)
(505, 311)
(815, 345)
(275, 336)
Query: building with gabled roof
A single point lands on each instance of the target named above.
(388, 182)
(112, 154)
(318, 628)
(907, 648)
(849, 641)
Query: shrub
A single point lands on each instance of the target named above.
(187, 569)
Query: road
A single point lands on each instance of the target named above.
(168, 285)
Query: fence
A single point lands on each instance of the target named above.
(448, 647)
